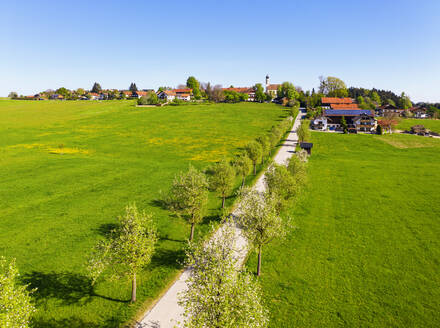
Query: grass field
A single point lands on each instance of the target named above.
(407, 123)
(69, 168)
(366, 250)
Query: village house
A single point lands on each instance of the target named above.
(56, 96)
(183, 94)
(358, 120)
(35, 97)
(271, 89)
(419, 112)
(388, 108)
(167, 95)
(249, 91)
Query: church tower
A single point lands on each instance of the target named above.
(267, 81)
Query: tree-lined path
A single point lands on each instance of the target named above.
(167, 313)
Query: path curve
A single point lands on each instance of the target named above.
(166, 313)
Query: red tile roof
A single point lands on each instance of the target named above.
(334, 100)
(142, 93)
(182, 90)
(344, 106)
(273, 87)
(169, 92)
(239, 90)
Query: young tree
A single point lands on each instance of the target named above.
(297, 168)
(344, 125)
(96, 88)
(260, 220)
(222, 179)
(254, 152)
(379, 129)
(16, 308)
(265, 146)
(129, 248)
(193, 84)
(219, 295)
(133, 87)
(243, 165)
(281, 184)
(259, 92)
(189, 196)
(303, 131)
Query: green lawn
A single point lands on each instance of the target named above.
(366, 250)
(54, 207)
(407, 123)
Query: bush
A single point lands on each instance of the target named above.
(149, 99)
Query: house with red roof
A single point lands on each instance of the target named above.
(357, 120)
(271, 89)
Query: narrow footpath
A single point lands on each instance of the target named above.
(167, 313)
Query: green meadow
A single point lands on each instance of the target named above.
(68, 169)
(431, 124)
(366, 249)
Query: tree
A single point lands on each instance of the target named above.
(133, 87)
(149, 99)
(222, 179)
(231, 96)
(13, 95)
(390, 102)
(80, 91)
(189, 196)
(265, 146)
(254, 152)
(260, 220)
(297, 169)
(281, 184)
(219, 295)
(344, 125)
(259, 92)
(16, 308)
(96, 88)
(389, 121)
(193, 84)
(404, 101)
(332, 87)
(303, 131)
(129, 248)
(243, 165)
(287, 90)
(376, 98)
(379, 129)
(63, 91)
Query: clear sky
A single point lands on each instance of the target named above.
(392, 45)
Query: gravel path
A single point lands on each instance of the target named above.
(166, 313)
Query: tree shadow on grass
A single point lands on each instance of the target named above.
(160, 203)
(69, 288)
(168, 258)
(106, 228)
(74, 322)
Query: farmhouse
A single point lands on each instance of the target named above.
(168, 95)
(388, 108)
(358, 120)
(419, 112)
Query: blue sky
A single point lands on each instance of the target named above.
(393, 45)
